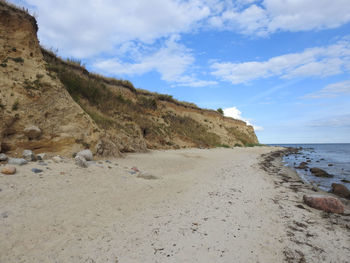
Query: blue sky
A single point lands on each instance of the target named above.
(281, 65)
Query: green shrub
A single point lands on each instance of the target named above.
(15, 105)
(18, 60)
(219, 110)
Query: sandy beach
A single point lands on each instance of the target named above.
(190, 205)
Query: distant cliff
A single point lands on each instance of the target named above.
(75, 109)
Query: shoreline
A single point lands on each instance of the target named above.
(188, 205)
(314, 235)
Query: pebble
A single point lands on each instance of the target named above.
(57, 159)
(29, 155)
(35, 170)
(80, 161)
(86, 154)
(8, 170)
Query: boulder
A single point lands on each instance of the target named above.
(3, 157)
(81, 161)
(320, 173)
(32, 132)
(302, 165)
(340, 190)
(8, 170)
(29, 155)
(325, 203)
(17, 161)
(86, 154)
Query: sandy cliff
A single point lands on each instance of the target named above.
(75, 109)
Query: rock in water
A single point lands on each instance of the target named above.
(320, 173)
(29, 155)
(302, 165)
(8, 170)
(325, 203)
(32, 132)
(81, 161)
(17, 161)
(340, 190)
(86, 154)
(3, 157)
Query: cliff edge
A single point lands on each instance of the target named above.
(69, 108)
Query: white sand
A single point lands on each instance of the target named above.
(206, 206)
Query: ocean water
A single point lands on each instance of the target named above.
(333, 158)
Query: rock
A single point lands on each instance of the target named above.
(345, 181)
(340, 190)
(40, 156)
(86, 154)
(57, 159)
(17, 161)
(29, 155)
(330, 164)
(3, 157)
(8, 170)
(325, 203)
(302, 165)
(81, 161)
(32, 132)
(35, 170)
(320, 173)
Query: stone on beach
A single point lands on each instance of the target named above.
(81, 161)
(3, 157)
(8, 170)
(325, 203)
(86, 154)
(340, 190)
(17, 161)
(29, 155)
(320, 173)
(32, 132)
(57, 159)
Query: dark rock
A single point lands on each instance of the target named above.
(320, 173)
(340, 190)
(35, 170)
(325, 203)
(302, 165)
(345, 181)
(330, 164)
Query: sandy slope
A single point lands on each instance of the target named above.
(204, 206)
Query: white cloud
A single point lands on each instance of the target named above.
(337, 121)
(289, 15)
(171, 61)
(83, 28)
(318, 61)
(235, 113)
(331, 90)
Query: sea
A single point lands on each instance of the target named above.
(334, 158)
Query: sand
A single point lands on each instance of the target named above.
(191, 205)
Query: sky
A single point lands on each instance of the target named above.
(282, 66)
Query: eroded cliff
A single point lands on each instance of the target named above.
(76, 109)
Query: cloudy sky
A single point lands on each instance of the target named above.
(281, 65)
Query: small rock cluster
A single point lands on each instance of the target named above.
(83, 157)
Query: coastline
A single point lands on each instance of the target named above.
(314, 235)
(189, 205)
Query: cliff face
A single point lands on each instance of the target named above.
(76, 109)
